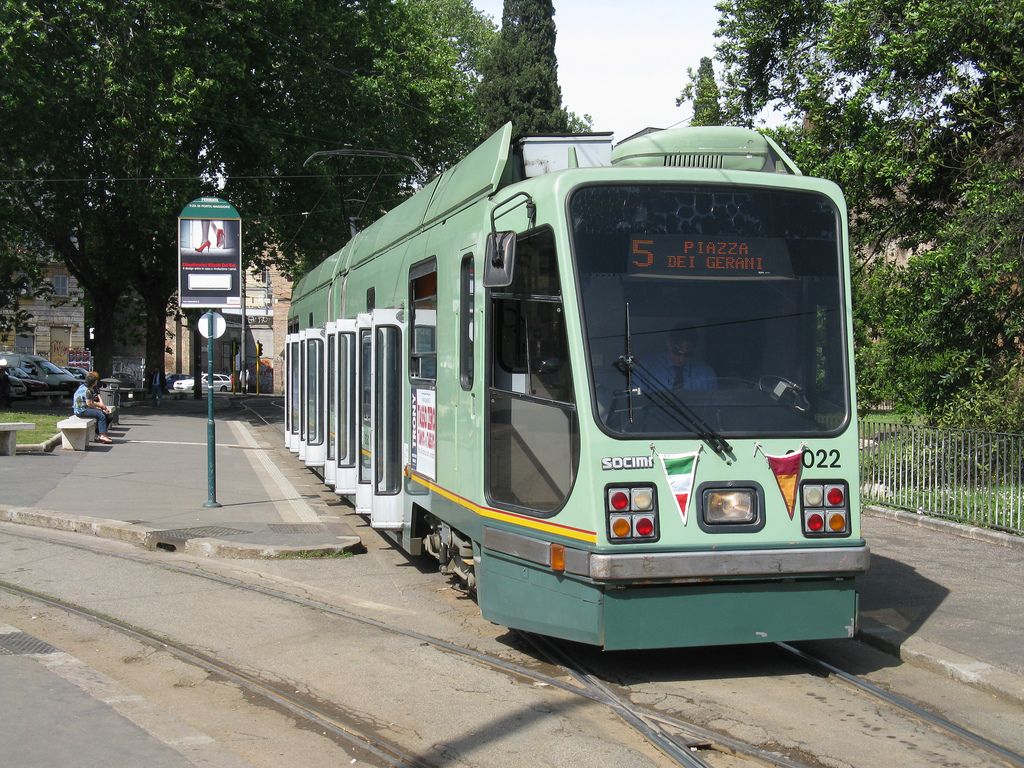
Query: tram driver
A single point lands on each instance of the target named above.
(679, 366)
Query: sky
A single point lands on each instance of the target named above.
(624, 63)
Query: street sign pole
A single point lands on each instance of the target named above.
(211, 429)
(210, 275)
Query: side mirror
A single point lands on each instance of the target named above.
(499, 259)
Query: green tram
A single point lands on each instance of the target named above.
(611, 390)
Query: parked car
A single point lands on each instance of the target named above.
(32, 385)
(40, 368)
(78, 373)
(18, 388)
(173, 377)
(221, 383)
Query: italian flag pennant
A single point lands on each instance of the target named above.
(680, 469)
(787, 474)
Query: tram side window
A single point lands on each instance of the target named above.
(533, 432)
(332, 347)
(467, 326)
(314, 355)
(423, 300)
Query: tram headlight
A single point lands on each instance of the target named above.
(729, 506)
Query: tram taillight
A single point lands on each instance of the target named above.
(618, 499)
(824, 509)
(632, 513)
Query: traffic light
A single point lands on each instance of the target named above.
(259, 349)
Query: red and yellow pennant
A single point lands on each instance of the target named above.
(787, 474)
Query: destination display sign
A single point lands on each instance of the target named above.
(701, 256)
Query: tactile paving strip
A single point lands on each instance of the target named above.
(296, 528)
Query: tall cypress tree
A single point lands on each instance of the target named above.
(520, 75)
(703, 90)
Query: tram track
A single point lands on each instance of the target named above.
(914, 710)
(679, 740)
(656, 728)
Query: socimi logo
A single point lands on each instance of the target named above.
(628, 462)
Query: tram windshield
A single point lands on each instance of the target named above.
(712, 308)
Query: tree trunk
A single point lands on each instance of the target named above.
(103, 324)
(156, 332)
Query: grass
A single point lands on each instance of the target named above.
(46, 425)
(315, 554)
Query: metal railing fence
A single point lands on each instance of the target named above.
(970, 477)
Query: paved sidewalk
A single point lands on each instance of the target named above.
(948, 597)
(941, 595)
(151, 485)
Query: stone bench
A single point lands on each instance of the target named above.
(76, 433)
(9, 436)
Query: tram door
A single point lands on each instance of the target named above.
(331, 404)
(300, 358)
(291, 409)
(316, 397)
(364, 414)
(346, 420)
(388, 502)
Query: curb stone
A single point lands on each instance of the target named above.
(960, 667)
(118, 530)
(947, 526)
(144, 535)
(45, 447)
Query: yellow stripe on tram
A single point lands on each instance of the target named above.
(567, 531)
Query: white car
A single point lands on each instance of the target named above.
(221, 383)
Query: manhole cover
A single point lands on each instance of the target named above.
(296, 528)
(201, 532)
(19, 643)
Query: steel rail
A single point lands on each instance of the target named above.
(914, 710)
(389, 754)
(594, 692)
(680, 754)
(696, 736)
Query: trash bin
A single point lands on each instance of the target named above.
(110, 391)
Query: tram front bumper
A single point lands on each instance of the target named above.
(705, 566)
(688, 567)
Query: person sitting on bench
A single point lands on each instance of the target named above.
(88, 405)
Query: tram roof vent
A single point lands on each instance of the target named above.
(733, 149)
(693, 161)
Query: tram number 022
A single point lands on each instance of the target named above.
(822, 459)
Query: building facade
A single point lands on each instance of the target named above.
(57, 328)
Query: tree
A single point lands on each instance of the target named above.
(703, 91)
(520, 73)
(22, 276)
(159, 102)
(917, 110)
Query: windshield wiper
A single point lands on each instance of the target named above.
(626, 363)
(662, 395)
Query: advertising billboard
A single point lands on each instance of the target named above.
(209, 255)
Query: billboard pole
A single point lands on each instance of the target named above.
(243, 352)
(210, 276)
(211, 427)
